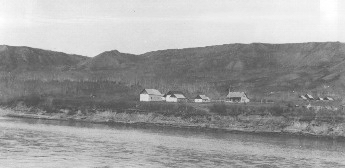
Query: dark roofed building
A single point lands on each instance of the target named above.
(201, 98)
(173, 92)
(238, 97)
(309, 97)
(175, 96)
(328, 98)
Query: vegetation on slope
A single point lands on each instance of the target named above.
(26, 58)
(265, 71)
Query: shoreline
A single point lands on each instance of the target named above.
(214, 128)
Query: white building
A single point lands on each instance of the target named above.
(309, 97)
(303, 97)
(151, 95)
(238, 97)
(319, 99)
(175, 96)
(328, 98)
(201, 98)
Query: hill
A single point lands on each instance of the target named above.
(257, 68)
(27, 58)
(274, 71)
(110, 60)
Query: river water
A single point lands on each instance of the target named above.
(43, 143)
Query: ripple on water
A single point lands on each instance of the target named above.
(58, 144)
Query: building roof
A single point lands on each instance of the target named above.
(319, 98)
(173, 92)
(179, 96)
(236, 94)
(204, 97)
(328, 98)
(303, 97)
(309, 96)
(151, 92)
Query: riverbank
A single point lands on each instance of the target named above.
(242, 123)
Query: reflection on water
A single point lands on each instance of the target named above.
(43, 143)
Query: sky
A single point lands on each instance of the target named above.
(89, 27)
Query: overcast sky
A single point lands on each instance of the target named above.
(89, 27)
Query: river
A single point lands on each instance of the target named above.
(47, 143)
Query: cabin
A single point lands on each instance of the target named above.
(201, 98)
(150, 95)
(175, 96)
(237, 97)
(319, 99)
(303, 97)
(309, 97)
(328, 98)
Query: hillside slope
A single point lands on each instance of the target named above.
(27, 58)
(110, 60)
(255, 67)
(278, 71)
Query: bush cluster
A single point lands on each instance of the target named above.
(171, 109)
(288, 111)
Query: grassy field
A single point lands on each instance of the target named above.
(90, 105)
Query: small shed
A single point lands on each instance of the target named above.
(151, 95)
(319, 98)
(328, 98)
(303, 97)
(238, 97)
(175, 96)
(201, 98)
(309, 97)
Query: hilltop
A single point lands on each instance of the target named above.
(110, 60)
(27, 58)
(277, 71)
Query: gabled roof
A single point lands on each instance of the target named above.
(328, 98)
(319, 98)
(309, 96)
(236, 94)
(151, 92)
(204, 97)
(173, 92)
(303, 97)
(179, 96)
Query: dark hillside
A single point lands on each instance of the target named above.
(26, 58)
(272, 71)
(110, 60)
(257, 68)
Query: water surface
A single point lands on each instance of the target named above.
(45, 143)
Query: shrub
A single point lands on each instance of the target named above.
(236, 110)
(304, 114)
(194, 112)
(171, 109)
(218, 108)
(330, 116)
(277, 110)
(32, 101)
(49, 109)
(72, 112)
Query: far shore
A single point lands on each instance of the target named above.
(242, 123)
